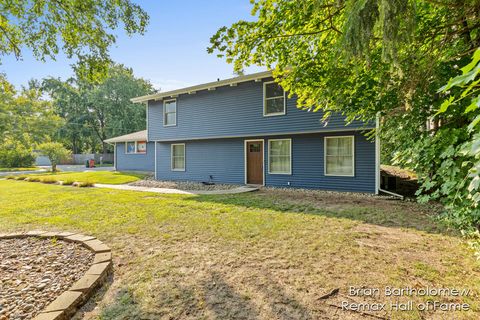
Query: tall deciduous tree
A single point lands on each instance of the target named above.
(97, 111)
(81, 29)
(26, 119)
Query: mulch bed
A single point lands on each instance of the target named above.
(33, 272)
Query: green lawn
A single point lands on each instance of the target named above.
(106, 177)
(262, 255)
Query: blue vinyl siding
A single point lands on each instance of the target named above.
(235, 112)
(135, 162)
(308, 165)
(224, 159)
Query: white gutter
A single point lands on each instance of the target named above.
(155, 160)
(146, 116)
(115, 156)
(391, 193)
(377, 153)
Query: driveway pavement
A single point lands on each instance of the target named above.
(78, 168)
(11, 173)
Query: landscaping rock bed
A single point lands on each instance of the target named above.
(181, 185)
(49, 275)
(35, 271)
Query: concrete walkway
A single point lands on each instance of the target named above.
(241, 189)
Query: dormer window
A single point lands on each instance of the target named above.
(274, 103)
(170, 113)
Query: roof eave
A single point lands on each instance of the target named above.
(205, 86)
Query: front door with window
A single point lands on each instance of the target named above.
(254, 162)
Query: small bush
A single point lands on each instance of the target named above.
(32, 179)
(16, 156)
(55, 152)
(48, 180)
(20, 177)
(85, 184)
(67, 182)
(10, 177)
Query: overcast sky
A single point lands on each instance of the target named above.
(172, 54)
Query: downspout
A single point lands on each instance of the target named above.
(377, 161)
(377, 153)
(115, 156)
(155, 142)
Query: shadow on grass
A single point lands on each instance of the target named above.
(376, 211)
(125, 307)
(210, 298)
(224, 302)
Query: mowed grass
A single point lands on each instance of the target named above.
(263, 255)
(105, 177)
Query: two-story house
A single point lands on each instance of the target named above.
(245, 130)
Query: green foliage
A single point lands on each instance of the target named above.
(79, 29)
(14, 155)
(55, 152)
(26, 119)
(456, 182)
(94, 112)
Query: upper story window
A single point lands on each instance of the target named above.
(339, 156)
(132, 147)
(170, 113)
(274, 103)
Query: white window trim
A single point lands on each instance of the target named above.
(176, 113)
(325, 157)
(136, 147)
(184, 156)
(245, 143)
(265, 114)
(269, 148)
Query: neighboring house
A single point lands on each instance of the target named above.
(133, 152)
(245, 130)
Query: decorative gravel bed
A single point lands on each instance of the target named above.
(181, 185)
(35, 271)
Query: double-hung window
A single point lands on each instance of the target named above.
(132, 147)
(170, 113)
(273, 99)
(178, 157)
(339, 156)
(280, 156)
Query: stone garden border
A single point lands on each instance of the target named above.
(66, 304)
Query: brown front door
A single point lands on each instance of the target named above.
(254, 162)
